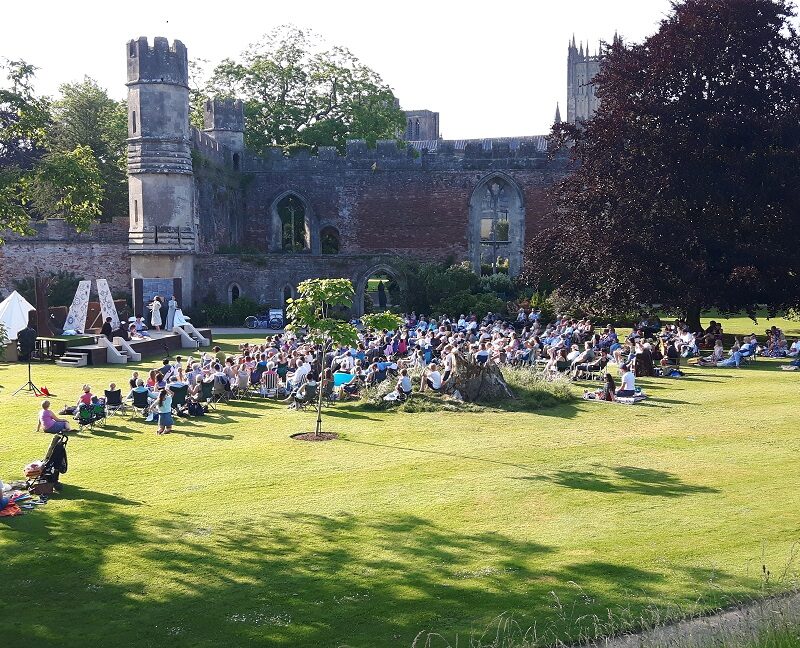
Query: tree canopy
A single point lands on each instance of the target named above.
(85, 115)
(37, 179)
(299, 92)
(685, 192)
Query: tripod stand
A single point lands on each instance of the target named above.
(29, 386)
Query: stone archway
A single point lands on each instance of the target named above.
(360, 283)
(496, 222)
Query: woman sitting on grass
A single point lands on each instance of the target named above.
(606, 393)
(51, 423)
(717, 355)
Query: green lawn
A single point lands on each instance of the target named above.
(228, 532)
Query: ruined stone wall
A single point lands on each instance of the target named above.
(217, 205)
(101, 253)
(388, 201)
(263, 278)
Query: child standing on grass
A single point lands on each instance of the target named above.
(163, 407)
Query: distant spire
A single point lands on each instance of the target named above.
(581, 49)
(558, 114)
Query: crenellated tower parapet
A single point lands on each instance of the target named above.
(530, 152)
(223, 120)
(161, 236)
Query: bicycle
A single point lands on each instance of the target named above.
(274, 322)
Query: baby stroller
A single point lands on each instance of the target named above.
(42, 477)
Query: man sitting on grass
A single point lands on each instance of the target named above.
(431, 379)
(627, 383)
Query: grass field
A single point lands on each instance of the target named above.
(228, 532)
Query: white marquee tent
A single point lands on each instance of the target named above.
(14, 311)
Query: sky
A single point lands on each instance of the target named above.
(490, 69)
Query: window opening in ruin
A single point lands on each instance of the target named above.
(494, 222)
(135, 211)
(236, 161)
(381, 292)
(287, 295)
(292, 213)
(329, 239)
(234, 293)
(133, 122)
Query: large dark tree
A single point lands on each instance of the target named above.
(686, 190)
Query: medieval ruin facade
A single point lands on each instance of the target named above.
(230, 224)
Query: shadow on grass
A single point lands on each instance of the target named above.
(439, 452)
(295, 579)
(624, 479)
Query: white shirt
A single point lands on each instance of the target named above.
(436, 379)
(302, 371)
(628, 381)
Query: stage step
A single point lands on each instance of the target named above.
(73, 359)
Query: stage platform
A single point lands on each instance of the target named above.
(160, 344)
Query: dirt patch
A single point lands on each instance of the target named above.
(310, 436)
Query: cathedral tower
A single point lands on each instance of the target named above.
(582, 67)
(160, 179)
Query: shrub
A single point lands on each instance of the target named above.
(543, 302)
(233, 314)
(61, 287)
(500, 284)
(466, 302)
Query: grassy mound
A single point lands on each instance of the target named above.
(531, 390)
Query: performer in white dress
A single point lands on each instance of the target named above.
(173, 306)
(155, 309)
(180, 320)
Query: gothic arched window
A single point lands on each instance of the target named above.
(294, 230)
(497, 226)
(329, 240)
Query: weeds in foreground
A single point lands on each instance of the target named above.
(770, 621)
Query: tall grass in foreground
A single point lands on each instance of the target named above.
(772, 621)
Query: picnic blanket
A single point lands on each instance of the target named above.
(621, 400)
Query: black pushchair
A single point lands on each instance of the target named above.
(43, 477)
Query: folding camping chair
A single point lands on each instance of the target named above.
(179, 398)
(114, 403)
(141, 402)
(269, 384)
(207, 393)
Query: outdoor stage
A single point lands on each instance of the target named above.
(160, 343)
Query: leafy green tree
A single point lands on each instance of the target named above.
(685, 193)
(86, 116)
(382, 321)
(298, 92)
(311, 314)
(37, 181)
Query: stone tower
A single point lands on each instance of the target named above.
(223, 120)
(161, 236)
(582, 67)
(421, 125)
